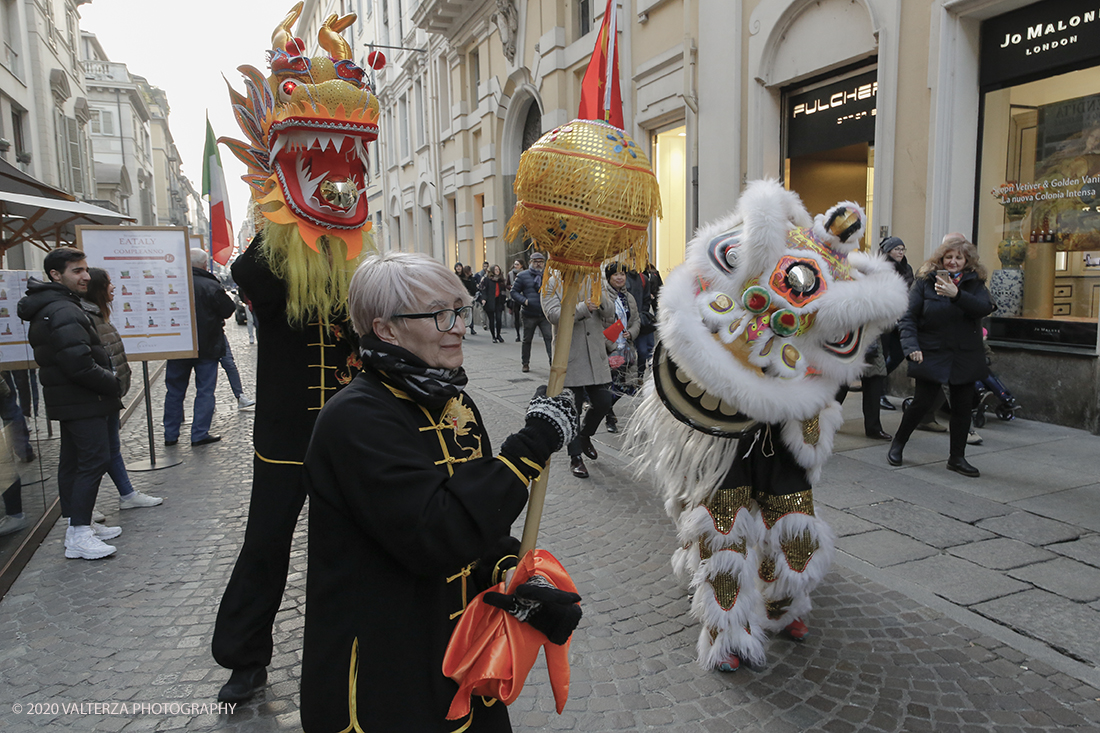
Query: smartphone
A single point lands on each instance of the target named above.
(943, 273)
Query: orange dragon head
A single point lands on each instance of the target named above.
(307, 127)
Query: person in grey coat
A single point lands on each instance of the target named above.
(588, 373)
(941, 334)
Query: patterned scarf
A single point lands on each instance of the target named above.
(432, 387)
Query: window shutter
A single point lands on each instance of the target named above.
(76, 157)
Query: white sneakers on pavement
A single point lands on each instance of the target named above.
(137, 500)
(97, 516)
(81, 542)
(12, 523)
(244, 403)
(105, 533)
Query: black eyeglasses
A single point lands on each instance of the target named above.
(444, 319)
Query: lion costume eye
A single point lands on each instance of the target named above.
(801, 279)
(797, 280)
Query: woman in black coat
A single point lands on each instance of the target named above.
(941, 335)
(410, 511)
(894, 249)
(494, 296)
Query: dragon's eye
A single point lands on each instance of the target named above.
(287, 88)
(801, 279)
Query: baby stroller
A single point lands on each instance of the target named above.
(992, 393)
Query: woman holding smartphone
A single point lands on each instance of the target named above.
(941, 335)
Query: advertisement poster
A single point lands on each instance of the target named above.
(15, 350)
(1065, 194)
(150, 268)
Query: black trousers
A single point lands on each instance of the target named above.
(602, 400)
(242, 632)
(873, 390)
(496, 317)
(962, 402)
(85, 456)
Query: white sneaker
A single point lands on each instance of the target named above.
(136, 499)
(82, 542)
(12, 523)
(973, 438)
(244, 403)
(105, 533)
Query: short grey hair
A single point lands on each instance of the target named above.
(400, 282)
(199, 258)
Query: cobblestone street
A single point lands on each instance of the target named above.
(954, 605)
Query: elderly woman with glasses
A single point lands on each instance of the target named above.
(410, 511)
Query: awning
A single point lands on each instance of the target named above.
(48, 222)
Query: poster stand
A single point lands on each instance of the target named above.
(151, 464)
(151, 266)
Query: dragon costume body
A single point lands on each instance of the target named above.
(771, 311)
(307, 126)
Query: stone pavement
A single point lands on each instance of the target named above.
(955, 605)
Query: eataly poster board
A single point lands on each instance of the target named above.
(15, 350)
(154, 305)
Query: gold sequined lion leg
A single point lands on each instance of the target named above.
(796, 554)
(720, 538)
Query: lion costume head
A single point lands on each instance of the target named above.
(771, 312)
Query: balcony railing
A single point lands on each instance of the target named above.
(105, 71)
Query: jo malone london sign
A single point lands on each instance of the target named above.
(1038, 38)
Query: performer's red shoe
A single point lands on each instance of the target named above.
(797, 630)
(731, 663)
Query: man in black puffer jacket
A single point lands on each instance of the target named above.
(212, 307)
(80, 390)
(526, 294)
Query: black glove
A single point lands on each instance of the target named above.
(551, 424)
(559, 412)
(537, 602)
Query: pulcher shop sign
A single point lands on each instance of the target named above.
(1038, 38)
(833, 116)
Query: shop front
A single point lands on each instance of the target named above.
(1037, 202)
(829, 140)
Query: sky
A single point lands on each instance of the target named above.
(185, 49)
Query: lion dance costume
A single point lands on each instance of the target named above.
(307, 126)
(768, 315)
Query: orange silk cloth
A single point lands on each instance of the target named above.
(491, 652)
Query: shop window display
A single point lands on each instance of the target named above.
(1039, 209)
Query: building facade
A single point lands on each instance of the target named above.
(939, 116)
(44, 112)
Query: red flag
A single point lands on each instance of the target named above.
(599, 100)
(213, 187)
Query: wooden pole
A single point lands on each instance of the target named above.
(562, 341)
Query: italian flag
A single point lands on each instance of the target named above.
(213, 188)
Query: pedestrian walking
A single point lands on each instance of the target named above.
(410, 510)
(80, 391)
(494, 293)
(526, 293)
(97, 302)
(212, 307)
(588, 373)
(468, 282)
(941, 334)
(513, 306)
(229, 366)
(621, 350)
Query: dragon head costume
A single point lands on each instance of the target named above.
(307, 127)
